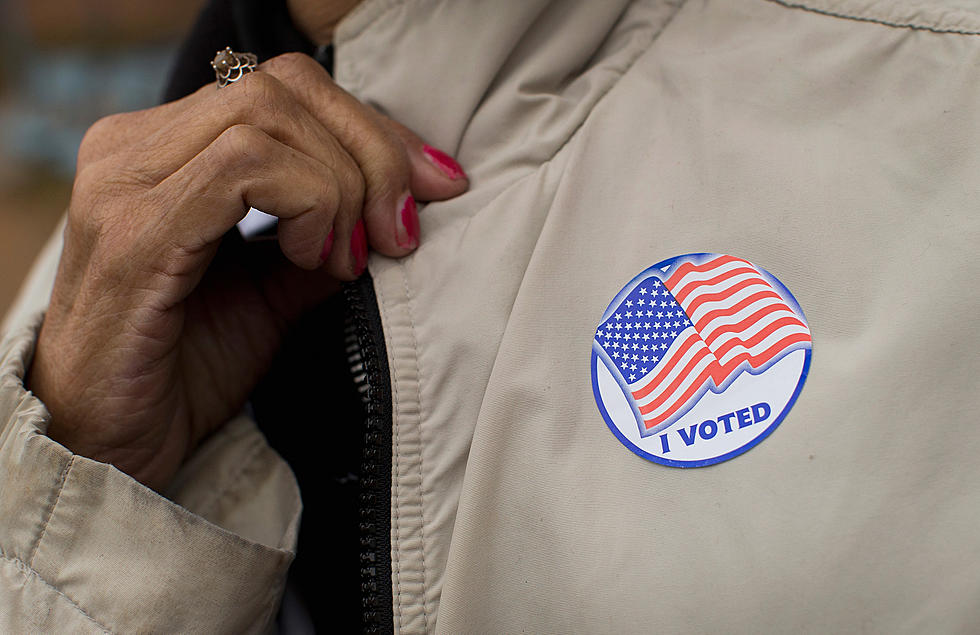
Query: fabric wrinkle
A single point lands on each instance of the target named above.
(50, 511)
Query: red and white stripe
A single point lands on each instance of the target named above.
(738, 319)
(687, 364)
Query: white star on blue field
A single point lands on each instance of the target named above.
(642, 328)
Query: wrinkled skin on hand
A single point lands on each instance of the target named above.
(158, 328)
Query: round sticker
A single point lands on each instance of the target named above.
(698, 359)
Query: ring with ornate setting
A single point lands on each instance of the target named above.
(229, 66)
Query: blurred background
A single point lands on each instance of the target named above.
(64, 64)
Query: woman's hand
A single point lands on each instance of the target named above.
(154, 335)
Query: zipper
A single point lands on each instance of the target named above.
(368, 363)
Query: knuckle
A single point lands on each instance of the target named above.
(108, 124)
(259, 91)
(100, 139)
(292, 64)
(239, 143)
(257, 98)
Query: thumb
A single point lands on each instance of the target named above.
(436, 175)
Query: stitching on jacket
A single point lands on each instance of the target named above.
(47, 519)
(418, 388)
(395, 481)
(861, 18)
(209, 503)
(28, 570)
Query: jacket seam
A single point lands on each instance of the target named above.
(396, 561)
(418, 388)
(29, 570)
(861, 18)
(397, 478)
(50, 512)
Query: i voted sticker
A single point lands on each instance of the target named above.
(698, 359)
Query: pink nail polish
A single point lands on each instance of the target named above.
(444, 162)
(358, 247)
(407, 230)
(327, 245)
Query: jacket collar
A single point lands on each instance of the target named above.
(432, 64)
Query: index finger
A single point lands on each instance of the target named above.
(392, 159)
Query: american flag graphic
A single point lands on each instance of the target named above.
(694, 328)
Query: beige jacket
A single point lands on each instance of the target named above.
(835, 143)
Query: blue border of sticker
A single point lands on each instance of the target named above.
(594, 359)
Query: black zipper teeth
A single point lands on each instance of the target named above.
(355, 361)
(368, 363)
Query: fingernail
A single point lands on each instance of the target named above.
(444, 162)
(327, 245)
(407, 227)
(358, 247)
